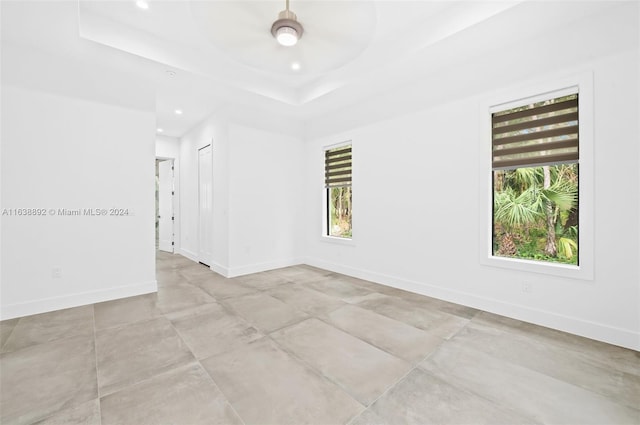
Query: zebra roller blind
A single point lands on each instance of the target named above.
(337, 167)
(543, 133)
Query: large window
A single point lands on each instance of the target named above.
(337, 182)
(535, 155)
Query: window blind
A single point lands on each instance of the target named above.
(337, 167)
(538, 134)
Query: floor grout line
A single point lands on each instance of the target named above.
(383, 394)
(197, 360)
(10, 334)
(315, 369)
(95, 352)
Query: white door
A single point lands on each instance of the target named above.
(205, 205)
(165, 205)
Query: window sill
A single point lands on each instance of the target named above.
(337, 241)
(560, 270)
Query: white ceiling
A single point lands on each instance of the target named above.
(230, 41)
(203, 56)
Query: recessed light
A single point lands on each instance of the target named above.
(178, 111)
(295, 66)
(171, 73)
(142, 4)
(160, 130)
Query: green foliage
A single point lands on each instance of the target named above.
(566, 248)
(562, 194)
(340, 211)
(514, 209)
(524, 209)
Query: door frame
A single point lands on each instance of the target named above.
(174, 203)
(207, 261)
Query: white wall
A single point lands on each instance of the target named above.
(415, 220)
(256, 192)
(167, 147)
(214, 132)
(265, 193)
(62, 152)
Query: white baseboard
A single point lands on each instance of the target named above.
(45, 305)
(221, 270)
(186, 253)
(243, 270)
(261, 267)
(598, 331)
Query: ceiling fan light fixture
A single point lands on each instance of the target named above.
(287, 36)
(286, 29)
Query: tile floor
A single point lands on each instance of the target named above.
(302, 346)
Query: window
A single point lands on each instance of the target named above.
(513, 155)
(337, 183)
(535, 179)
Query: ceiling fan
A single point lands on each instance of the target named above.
(286, 29)
(333, 33)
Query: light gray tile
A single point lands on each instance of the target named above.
(605, 355)
(262, 280)
(369, 297)
(163, 265)
(300, 274)
(429, 302)
(421, 398)
(402, 340)
(223, 288)
(6, 327)
(265, 312)
(169, 278)
(291, 272)
(125, 311)
(51, 326)
(314, 270)
(83, 414)
(304, 299)
(182, 296)
(445, 306)
(551, 360)
(195, 270)
(543, 398)
(375, 287)
(416, 314)
(266, 385)
(166, 260)
(338, 288)
(185, 395)
(490, 369)
(210, 276)
(211, 329)
(131, 353)
(39, 380)
(363, 370)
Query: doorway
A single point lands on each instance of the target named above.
(164, 205)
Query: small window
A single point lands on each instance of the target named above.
(535, 171)
(337, 183)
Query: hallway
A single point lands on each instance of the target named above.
(302, 345)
